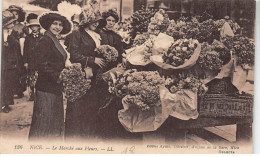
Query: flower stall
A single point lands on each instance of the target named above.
(191, 73)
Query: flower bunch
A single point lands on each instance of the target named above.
(182, 81)
(224, 52)
(180, 51)
(107, 52)
(141, 38)
(75, 84)
(31, 79)
(219, 23)
(209, 59)
(140, 21)
(160, 22)
(208, 31)
(148, 47)
(244, 48)
(140, 89)
(183, 29)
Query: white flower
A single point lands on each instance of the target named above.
(184, 49)
(187, 79)
(178, 48)
(191, 45)
(159, 16)
(185, 40)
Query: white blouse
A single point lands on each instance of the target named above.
(96, 37)
(7, 33)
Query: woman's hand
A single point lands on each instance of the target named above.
(100, 62)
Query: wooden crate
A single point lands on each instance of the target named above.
(219, 105)
(223, 100)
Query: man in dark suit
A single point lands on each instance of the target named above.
(29, 56)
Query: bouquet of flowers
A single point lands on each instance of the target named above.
(138, 89)
(159, 22)
(185, 81)
(208, 31)
(31, 79)
(184, 29)
(75, 84)
(141, 38)
(179, 96)
(140, 21)
(244, 48)
(224, 52)
(180, 52)
(209, 59)
(110, 55)
(219, 23)
(214, 56)
(107, 52)
(140, 55)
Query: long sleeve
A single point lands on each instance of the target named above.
(25, 50)
(75, 50)
(44, 56)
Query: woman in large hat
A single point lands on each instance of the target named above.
(111, 127)
(11, 55)
(19, 13)
(48, 112)
(82, 115)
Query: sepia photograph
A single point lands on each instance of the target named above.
(127, 76)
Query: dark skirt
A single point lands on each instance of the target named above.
(109, 124)
(7, 87)
(48, 117)
(82, 117)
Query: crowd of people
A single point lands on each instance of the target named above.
(38, 63)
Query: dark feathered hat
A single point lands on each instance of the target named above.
(19, 10)
(46, 19)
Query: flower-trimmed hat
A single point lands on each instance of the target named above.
(32, 20)
(46, 20)
(8, 18)
(75, 18)
(19, 10)
(90, 13)
(112, 13)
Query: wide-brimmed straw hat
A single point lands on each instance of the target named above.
(90, 13)
(32, 19)
(46, 19)
(88, 16)
(8, 18)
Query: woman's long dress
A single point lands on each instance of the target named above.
(110, 127)
(82, 115)
(48, 112)
(11, 55)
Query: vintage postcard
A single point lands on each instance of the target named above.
(127, 76)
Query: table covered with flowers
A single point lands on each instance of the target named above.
(191, 73)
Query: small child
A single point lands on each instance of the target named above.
(29, 51)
